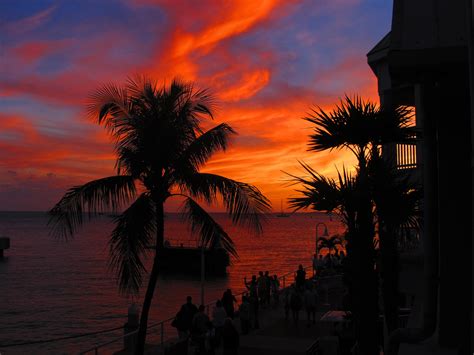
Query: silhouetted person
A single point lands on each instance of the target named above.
(328, 261)
(251, 286)
(199, 327)
(296, 303)
(268, 286)
(275, 285)
(300, 277)
(230, 337)
(218, 317)
(211, 342)
(253, 299)
(185, 318)
(320, 265)
(244, 314)
(310, 301)
(286, 301)
(228, 300)
(261, 287)
(315, 264)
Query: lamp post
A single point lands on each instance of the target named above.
(325, 234)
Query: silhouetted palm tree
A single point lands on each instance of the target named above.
(329, 243)
(363, 128)
(160, 147)
(397, 201)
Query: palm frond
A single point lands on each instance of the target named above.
(102, 195)
(396, 198)
(244, 203)
(319, 193)
(202, 148)
(110, 105)
(393, 124)
(349, 124)
(133, 233)
(209, 231)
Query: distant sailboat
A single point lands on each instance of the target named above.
(282, 214)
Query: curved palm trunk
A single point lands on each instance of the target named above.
(152, 281)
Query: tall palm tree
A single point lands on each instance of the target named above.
(160, 146)
(397, 208)
(362, 127)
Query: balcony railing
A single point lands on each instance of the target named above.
(406, 156)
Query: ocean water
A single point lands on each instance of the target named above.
(52, 288)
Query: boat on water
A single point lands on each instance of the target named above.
(177, 257)
(187, 260)
(282, 213)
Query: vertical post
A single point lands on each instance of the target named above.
(96, 351)
(203, 273)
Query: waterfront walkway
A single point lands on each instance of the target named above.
(277, 335)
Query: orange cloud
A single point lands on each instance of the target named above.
(264, 88)
(248, 86)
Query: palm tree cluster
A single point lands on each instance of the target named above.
(329, 243)
(160, 146)
(375, 203)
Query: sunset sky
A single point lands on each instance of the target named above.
(266, 61)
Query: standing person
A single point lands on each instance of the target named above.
(230, 337)
(253, 299)
(184, 318)
(228, 300)
(310, 302)
(251, 286)
(275, 290)
(244, 314)
(268, 286)
(300, 278)
(218, 317)
(296, 304)
(320, 265)
(336, 260)
(261, 287)
(210, 342)
(328, 261)
(286, 301)
(199, 328)
(315, 264)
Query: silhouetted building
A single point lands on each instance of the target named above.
(426, 62)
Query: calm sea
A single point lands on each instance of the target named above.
(51, 288)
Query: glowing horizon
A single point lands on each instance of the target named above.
(267, 64)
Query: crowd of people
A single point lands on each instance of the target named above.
(328, 264)
(207, 334)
